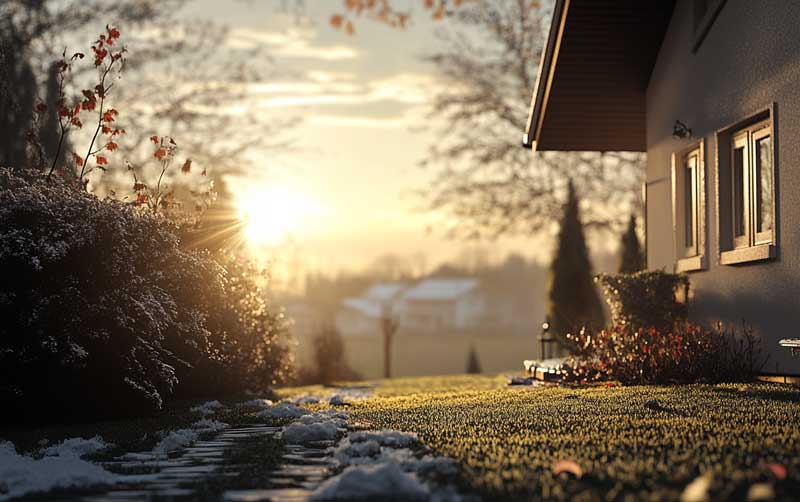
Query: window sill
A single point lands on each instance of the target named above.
(690, 264)
(748, 254)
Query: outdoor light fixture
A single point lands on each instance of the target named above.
(546, 339)
(681, 130)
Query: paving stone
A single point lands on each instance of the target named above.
(294, 458)
(279, 495)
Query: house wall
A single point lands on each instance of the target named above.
(749, 59)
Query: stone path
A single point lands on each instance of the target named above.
(145, 476)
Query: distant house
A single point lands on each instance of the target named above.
(710, 89)
(441, 304)
(362, 315)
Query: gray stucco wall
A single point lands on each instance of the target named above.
(749, 59)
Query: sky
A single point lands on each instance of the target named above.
(352, 179)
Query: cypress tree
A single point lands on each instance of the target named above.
(473, 365)
(631, 259)
(572, 301)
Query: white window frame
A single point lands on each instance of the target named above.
(688, 169)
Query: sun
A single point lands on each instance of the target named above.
(272, 215)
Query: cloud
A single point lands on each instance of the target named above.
(291, 43)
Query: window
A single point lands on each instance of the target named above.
(688, 208)
(747, 190)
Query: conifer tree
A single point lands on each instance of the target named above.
(572, 300)
(473, 365)
(631, 259)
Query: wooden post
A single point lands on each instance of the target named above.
(389, 327)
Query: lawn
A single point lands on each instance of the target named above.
(642, 442)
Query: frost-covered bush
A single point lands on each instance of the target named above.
(248, 347)
(104, 313)
(92, 315)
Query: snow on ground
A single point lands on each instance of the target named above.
(385, 480)
(283, 410)
(75, 447)
(326, 425)
(255, 403)
(206, 425)
(61, 467)
(342, 396)
(181, 438)
(377, 464)
(208, 408)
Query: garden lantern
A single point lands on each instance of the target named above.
(546, 338)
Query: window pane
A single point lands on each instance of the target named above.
(764, 173)
(689, 200)
(738, 193)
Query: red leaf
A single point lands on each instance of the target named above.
(111, 146)
(187, 166)
(141, 199)
(568, 466)
(139, 186)
(101, 161)
(112, 33)
(154, 139)
(108, 115)
(160, 153)
(777, 470)
(78, 159)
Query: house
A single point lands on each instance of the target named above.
(437, 305)
(710, 90)
(362, 315)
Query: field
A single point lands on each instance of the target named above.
(642, 442)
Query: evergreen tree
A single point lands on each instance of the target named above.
(632, 258)
(473, 365)
(17, 100)
(572, 301)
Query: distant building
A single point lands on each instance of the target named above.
(441, 304)
(362, 315)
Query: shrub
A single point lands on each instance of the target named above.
(685, 353)
(248, 346)
(330, 364)
(644, 299)
(104, 313)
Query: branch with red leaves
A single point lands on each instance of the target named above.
(108, 63)
(384, 11)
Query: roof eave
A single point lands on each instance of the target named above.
(544, 78)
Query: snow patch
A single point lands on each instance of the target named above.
(283, 410)
(390, 438)
(207, 425)
(20, 475)
(386, 480)
(208, 408)
(75, 447)
(255, 403)
(176, 440)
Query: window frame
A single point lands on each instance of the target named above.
(753, 246)
(692, 257)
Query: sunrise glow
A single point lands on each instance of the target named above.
(272, 215)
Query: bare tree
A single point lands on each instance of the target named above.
(482, 176)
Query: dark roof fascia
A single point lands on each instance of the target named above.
(544, 79)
